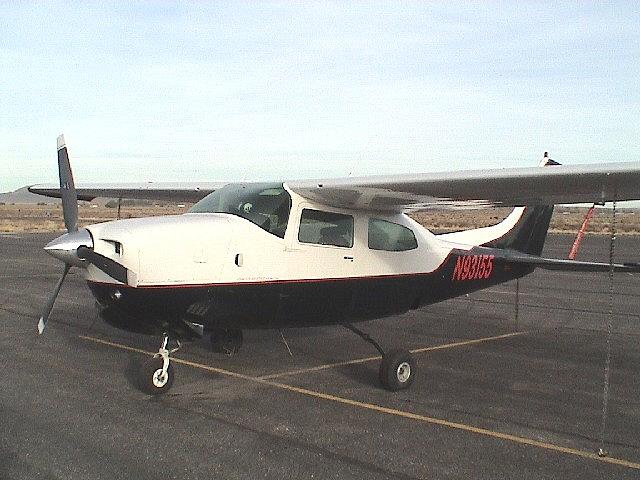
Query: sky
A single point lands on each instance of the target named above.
(216, 91)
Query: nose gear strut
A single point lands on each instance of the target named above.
(156, 374)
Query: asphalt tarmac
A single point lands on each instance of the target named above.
(500, 396)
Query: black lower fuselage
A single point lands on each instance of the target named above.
(297, 303)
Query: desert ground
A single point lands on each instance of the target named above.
(33, 218)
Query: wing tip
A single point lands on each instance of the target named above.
(61, 142)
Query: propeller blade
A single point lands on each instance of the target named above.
(52, 299)
(67, 188)
(108, 266)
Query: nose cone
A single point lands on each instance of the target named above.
(65, 247)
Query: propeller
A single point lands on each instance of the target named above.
(47, 309)
(76, 246)
(70, 213)
(67, 188)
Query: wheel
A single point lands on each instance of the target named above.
(397, 370)
(226, 341)
(151, 379)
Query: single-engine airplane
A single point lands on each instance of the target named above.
(313, 252)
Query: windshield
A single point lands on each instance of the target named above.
(265, 204)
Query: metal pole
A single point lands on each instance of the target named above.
(517, 312)
(607, 364)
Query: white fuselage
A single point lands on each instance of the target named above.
(219, 248)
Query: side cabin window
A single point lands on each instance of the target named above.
(326, 228)
(264, 204)
(391, 237)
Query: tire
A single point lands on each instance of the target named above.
(397, 370)
(226, 341)
(148, 377)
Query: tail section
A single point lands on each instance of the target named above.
(529, 233)
(524, 230)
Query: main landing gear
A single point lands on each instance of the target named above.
(398, 367)
(156, 374)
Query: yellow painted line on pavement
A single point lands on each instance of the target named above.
(371, 359)
(388, 411)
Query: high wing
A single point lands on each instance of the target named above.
(478, 188)
(176, 192)
(413, 192)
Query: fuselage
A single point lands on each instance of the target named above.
(255, 265)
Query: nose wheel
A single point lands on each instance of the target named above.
(156, 374)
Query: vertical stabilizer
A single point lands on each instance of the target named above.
(530, 231)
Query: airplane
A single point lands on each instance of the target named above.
(313, 252)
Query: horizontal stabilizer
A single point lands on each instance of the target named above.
(514, 257)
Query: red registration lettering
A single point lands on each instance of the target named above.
(489, 266)
(472, 267)
(457, 271)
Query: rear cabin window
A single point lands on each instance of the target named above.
(390, 237)
(326, 228)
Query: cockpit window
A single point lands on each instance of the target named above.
(265, 204)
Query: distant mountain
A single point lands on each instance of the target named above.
(22, 195)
